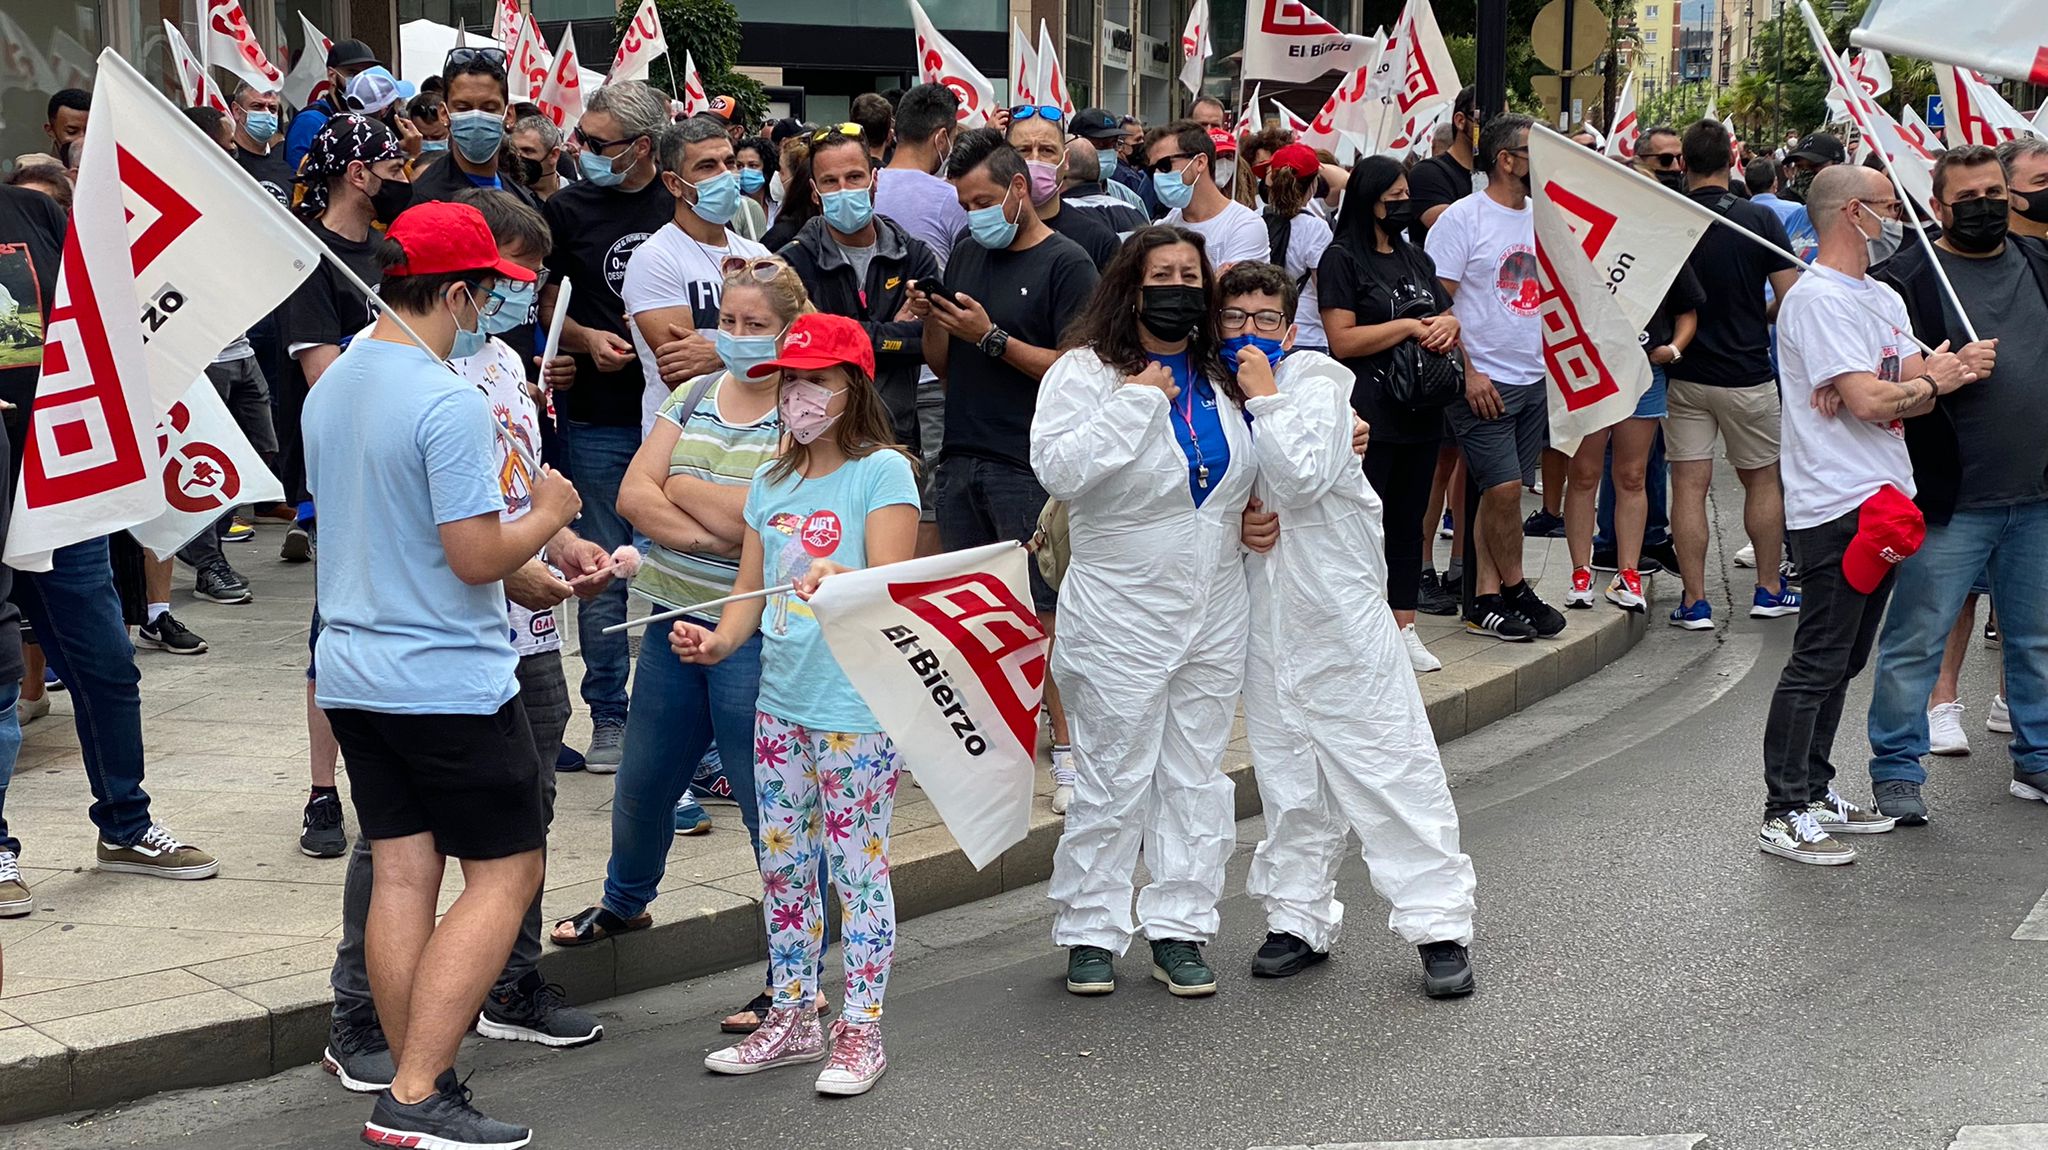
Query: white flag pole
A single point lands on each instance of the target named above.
(693, 608)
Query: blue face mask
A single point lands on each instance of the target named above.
(1238, 343)
(1105, 161)
(477, 135)
(433, 147)
(849, 210)
(514, 307)
(598, 170)
(718, 198)
(990, 228)
(1173, 189)
(261, 126)
(743, 354)
(752, 180)
(468, 343)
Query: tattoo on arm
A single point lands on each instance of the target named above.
(1909, 394)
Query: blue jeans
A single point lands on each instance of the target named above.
(678, 710)
(77, 617)
(2011, 545)
(10, 749)
(597, 458)
(1657, 528)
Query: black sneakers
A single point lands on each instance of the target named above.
(358, 1054)
(1547, 620)
(443, 1120)
(1284, 956)
(534, 1011)
(1542, 524)
(1491, 615)
(167, 634)
(322, 836)
(1446, 969)
(1435, 595)
(219, 583)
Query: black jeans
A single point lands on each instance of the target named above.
(1400, 473)
(1837, 626)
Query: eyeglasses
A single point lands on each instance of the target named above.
(1889, 209)
(593, 144)
(1165, 163)
(764, 269)
(1037, 111)
(842, 131)
(1234, 319)
(493, 58)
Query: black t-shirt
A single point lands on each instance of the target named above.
(1733, 346)
(1685, 295)
(596, 230)
(268, 169)
(1096, 238)
(1367, 285)
(31, 242)
(1032, 294)
(326, 308)
(1437, 181)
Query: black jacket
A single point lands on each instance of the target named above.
(899, 346)
(1931, 438)
(444, 179)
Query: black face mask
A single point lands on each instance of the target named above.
(1173, 311)
(392, 198)
(2037, 206)
(1671, 178)
(1400, 214)
(527, 172)
(1976, 226)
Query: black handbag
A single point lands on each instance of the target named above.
(1413, 376)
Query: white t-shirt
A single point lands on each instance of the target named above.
(1307, 239)
(1489, 253)
(672, 269)
(497, 373)
(1830, 325)
(1231, 236)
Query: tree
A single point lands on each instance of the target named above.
(710, 31)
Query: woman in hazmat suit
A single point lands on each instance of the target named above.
(1142, 432)
(1338, 731)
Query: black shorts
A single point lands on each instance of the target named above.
(472, 781)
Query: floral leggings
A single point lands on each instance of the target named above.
(829, 791)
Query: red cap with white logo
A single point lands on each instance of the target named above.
(818, 340)
(1889, 529)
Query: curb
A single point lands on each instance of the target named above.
(216, 1036)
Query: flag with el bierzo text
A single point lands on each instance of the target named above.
(948, 654)
(179, 200)
(1287, 40)
(1608, 244)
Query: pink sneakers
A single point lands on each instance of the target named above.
(787, 1036)
(857, 1059)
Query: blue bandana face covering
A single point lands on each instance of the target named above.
(1237, 343)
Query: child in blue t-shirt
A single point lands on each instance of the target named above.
(841, 496)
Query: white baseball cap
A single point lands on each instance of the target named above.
(374, 89)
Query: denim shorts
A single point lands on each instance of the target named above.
(1651, 405)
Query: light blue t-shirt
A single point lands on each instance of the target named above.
(396, 445)
(800, 520)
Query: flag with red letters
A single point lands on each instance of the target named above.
(530, 65)
(561, 97)
(2003, 37)
(1287, 40)
(308, 79)
(232, 44)
(642, 44)
(1621, 136)
(1195, 47)
(939, 62)
(198, 87)
(949, 655)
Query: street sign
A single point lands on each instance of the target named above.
(1587, 41)
(1935, 117)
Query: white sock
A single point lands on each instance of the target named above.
(156, 609)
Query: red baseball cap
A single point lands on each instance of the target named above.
(1224, 141)
(1299, 159)
(819, 340)
(1889, 529)
(443, 238)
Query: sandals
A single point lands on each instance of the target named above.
(595, 925)
(748, 1018)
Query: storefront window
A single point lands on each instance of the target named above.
(43, 47)
(961, 15)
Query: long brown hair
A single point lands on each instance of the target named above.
(1109, 327)
(862, 429)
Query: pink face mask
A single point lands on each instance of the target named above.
(1045, 181)
(803, 406)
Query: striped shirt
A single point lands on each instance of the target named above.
(714, 450)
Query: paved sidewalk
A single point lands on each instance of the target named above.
(120, 986)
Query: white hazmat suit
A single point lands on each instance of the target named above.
(1149, 657)
(1338, 731)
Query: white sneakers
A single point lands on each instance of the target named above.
(1626, 591)
(1580, 593)
(1945, 730)
(1418, 655)
(1747, 556)
(1999, 721)
(1062, 779)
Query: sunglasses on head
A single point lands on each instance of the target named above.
(1037, 112)
(763, 268)
(492, 58)
(849, 131)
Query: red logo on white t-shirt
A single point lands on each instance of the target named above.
(820, 534)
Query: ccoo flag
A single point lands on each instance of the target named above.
(642, 44)
(2002, 37)
(951, 659)
(1287, 40)
(939, 62)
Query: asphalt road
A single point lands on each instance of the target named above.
(1643, 971)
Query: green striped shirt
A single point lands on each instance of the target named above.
(714, 450)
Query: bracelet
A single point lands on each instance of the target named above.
(1933, 388)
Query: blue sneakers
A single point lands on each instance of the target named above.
(690, 818)
(1695, 616)
(1769, 606)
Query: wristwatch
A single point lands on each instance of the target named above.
(1676, 354)
(994, 342)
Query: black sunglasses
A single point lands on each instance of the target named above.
(492, 58)
(1165, 164)
(1664, 161)
(593, 144)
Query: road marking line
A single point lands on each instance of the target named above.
(1587, 1142)
(2030, 1136)
(2034, 928)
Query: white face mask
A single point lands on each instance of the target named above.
(1226, 175)
(775, 187)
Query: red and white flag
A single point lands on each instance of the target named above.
(1917, 134)
(1418, 85)
(953, 664)
(2002, 37)
(561, 97)
(506, 22)
(1877, 129)
(1052, 79)
(939, 62)
(1608, 244)
(530, 64)
(1621, 138)
(1287, 118)
(642, 44)
(1872, 71)
(1023, 68)
(1976, 113)
(1344, 123)
(1248, 119)
(1195, 48)
(231, 44)
(1287, 40)
(308, 79)
(156, 202)
(695, 98)
(199, 88)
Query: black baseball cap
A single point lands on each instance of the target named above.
(1820, 149)
(1096, 124)
(351, 54)
(784, 129)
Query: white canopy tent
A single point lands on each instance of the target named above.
(423, 45)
